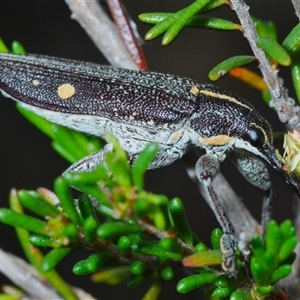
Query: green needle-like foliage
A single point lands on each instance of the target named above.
(120, 240)
(271, 260)
(171, 24)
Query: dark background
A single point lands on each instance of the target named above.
(27, 160)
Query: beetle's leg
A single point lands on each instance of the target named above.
(255, 171)
(207, 167)
(90, 162)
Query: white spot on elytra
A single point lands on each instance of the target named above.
(66, 91)
(35, 82)
(194, 90)
(151, 122)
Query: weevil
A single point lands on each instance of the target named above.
(142, 107)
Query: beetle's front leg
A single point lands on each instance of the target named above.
(255, 171)
(207, 167)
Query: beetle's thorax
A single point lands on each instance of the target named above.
(220, 120)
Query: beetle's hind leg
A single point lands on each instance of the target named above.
(255, 171)
(207, 167)
(89, 163)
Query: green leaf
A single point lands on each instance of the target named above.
(287, 248)
(9, 217)
(281, 272)
(269, 261)
(154, 18)
(198, 20)
(142, 163)
(137, 280)
(213, 23)
(35, 256)
(161, 27)
(223, 281)
(215, 239)
(292, 41)
(154, 291)
(63, 191)
(90, 227)
(112, 229)
(37, 204)
(258, 248)
(200, 247)
(295, 71)
(274, 50)
(138, 267)
(3, 47)
(265, 28)
(112, 276)
(264, 290)
(71, 232)
(258, 272)
(17, 48)
(64, 152)
(66, 145)
(88, 178)
(80, 268)
(223, 292)
(180, 221)
(190, 283)
(205, 258)
(213, 4)
(287, 229)
(124, 245)
(170, 244)
(227, 65)
(92, 264)
(273, 238)
(155, 207)
(241, 295)
(117, 162)
(175, 22)
(40, 240)
(154, 249)
(167, 273)
(96, 261)
(181, 19)
(94, 191)
(53, 258)
(85, 207)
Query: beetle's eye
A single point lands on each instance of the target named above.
(256, 137)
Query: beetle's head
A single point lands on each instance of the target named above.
(258, 139)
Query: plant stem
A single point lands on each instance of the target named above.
(284, 105)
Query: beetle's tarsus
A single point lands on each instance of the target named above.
(228, 246)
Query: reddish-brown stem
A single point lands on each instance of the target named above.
(127, 32)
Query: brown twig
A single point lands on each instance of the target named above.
(126, 30)
(102, 31)
(284, 105)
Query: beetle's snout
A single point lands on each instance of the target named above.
(290, 178)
